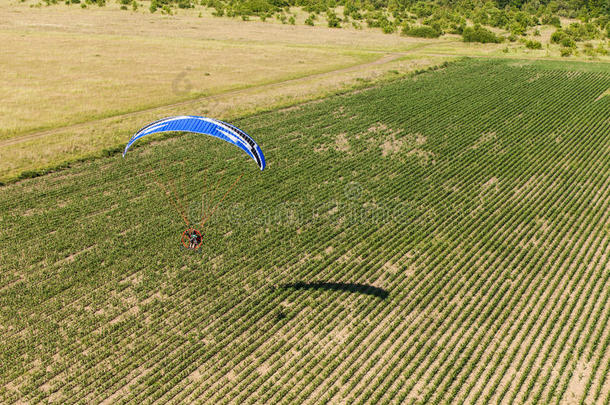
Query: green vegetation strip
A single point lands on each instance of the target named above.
(476, 196)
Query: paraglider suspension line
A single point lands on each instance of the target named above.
(175, 203)
(204, 219)
(175, 200)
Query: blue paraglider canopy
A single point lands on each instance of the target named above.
(206, 126)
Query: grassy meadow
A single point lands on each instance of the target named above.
(440, 238)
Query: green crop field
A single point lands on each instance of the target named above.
(444, 238)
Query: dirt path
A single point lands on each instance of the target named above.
(386, 58)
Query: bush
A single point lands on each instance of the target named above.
(457, 29)
(423, 9)
(575, 32)
(333, 20)
(568, 42)
(480, 34)
(551, 20)
(254, 7)
(350, 9)
(388, 28)
(566, 51)
(309, 20)
(558, 36)
(422, 31)
(590, 52)
(499, 18)
(533, 44)
(517, 28)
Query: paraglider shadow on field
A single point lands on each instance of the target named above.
(347, 287)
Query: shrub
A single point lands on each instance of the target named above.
(251, 7)
(557, 36)
(568, 42)
(575, 32)
(582, 32)
(421, 31)
(499, 18)
(533, 44)
(551, 20)
(590, 52)
(387, 27)
(456, 29)
(309, 20)
(517, 28)
(566, 51)
(350, 9)
(333, 20)
(423, 9)
(479, 34)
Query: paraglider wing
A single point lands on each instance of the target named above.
(207, 126)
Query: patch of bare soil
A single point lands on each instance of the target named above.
(378, 127)
(342, 143)
(492, 182)
(424, 156)
(485, 138)
(73, 256)
(604, 94)
(577, 384)
(391, 146)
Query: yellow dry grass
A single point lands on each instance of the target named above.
(53, 77)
